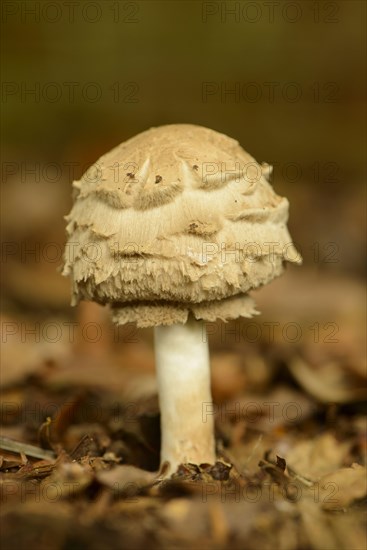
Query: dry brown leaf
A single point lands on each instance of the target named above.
(317, 457)
(324, 530)
(126, 479)
(339, 489)
(66, 480)
(316, 525)
(329, 383)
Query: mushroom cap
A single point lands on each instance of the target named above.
(177, 219)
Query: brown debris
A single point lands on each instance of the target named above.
(100, 486)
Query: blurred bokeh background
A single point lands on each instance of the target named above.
(286, 79)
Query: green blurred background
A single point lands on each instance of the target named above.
(287, 79)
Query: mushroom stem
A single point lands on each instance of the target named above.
(183, 373)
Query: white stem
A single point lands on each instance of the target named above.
(183, 372)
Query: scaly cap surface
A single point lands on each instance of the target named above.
(177, 219)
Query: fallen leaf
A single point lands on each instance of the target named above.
(329, 383)
(317, 457)
(126, 479)
(339, 489)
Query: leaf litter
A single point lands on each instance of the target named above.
(79, 457)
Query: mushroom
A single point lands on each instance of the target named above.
(172, 229)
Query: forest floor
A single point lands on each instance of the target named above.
(80, 438)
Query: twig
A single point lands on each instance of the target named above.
(8, 444)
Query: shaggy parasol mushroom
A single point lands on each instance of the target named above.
(172, 228)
